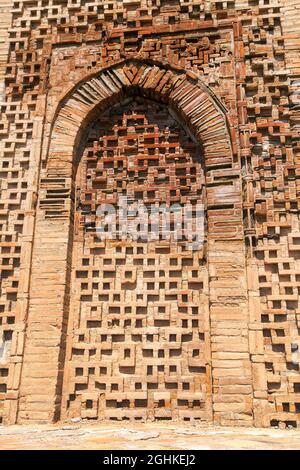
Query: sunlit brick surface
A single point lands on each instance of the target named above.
(230, 72)
(140, 326)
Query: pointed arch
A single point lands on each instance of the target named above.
(184, 91)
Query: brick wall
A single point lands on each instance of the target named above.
(244, 58)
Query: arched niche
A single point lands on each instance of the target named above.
(204, 115)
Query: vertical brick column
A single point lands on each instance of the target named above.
(42, 373)
(232, 381)
(231, 366)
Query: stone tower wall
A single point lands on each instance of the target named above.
(242, 59)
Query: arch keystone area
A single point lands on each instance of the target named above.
(184, 92)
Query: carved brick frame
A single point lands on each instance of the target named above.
(199, 108)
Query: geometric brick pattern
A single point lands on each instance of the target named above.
(140, 330)
(230, 72)
(204, 116)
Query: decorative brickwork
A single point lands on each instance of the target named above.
(159, 100)
(141, 342)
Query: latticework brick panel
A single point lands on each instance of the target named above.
(63, 62)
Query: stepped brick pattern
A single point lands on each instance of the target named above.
(140, 347)
(162, 101)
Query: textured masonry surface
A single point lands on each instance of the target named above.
(162, 100)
